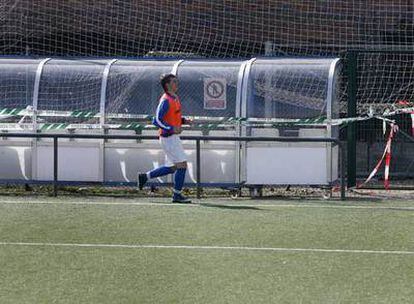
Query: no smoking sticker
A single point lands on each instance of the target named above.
(215, 97)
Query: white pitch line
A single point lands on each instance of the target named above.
(207, 205)
(189, 247)
(99, 203)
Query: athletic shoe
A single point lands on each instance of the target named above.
(180, 199)
(142, 180)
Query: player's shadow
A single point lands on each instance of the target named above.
(403, 209)
(319, 199)
(230, 207)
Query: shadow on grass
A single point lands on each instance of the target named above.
(312, 199)
(407, 209)
(229, 207)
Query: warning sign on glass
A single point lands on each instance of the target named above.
(215, 94)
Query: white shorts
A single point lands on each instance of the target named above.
(173, 149)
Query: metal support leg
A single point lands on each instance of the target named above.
(342, 169)
(55, 166)
(198, 169)
(352, 112)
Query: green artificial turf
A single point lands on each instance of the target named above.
(42, 273)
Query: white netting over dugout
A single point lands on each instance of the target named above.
(384, 79)
(216, 28)
(212, 28)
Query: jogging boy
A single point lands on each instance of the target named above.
(169, 120)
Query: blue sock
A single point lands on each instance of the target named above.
(161, 171)
(179, 179)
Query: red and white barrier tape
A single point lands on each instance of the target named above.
(387, 156)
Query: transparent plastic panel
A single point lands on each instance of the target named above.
(71, 85)
(134, 87)
(209, 88)
(17, 78)
(288, 88)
